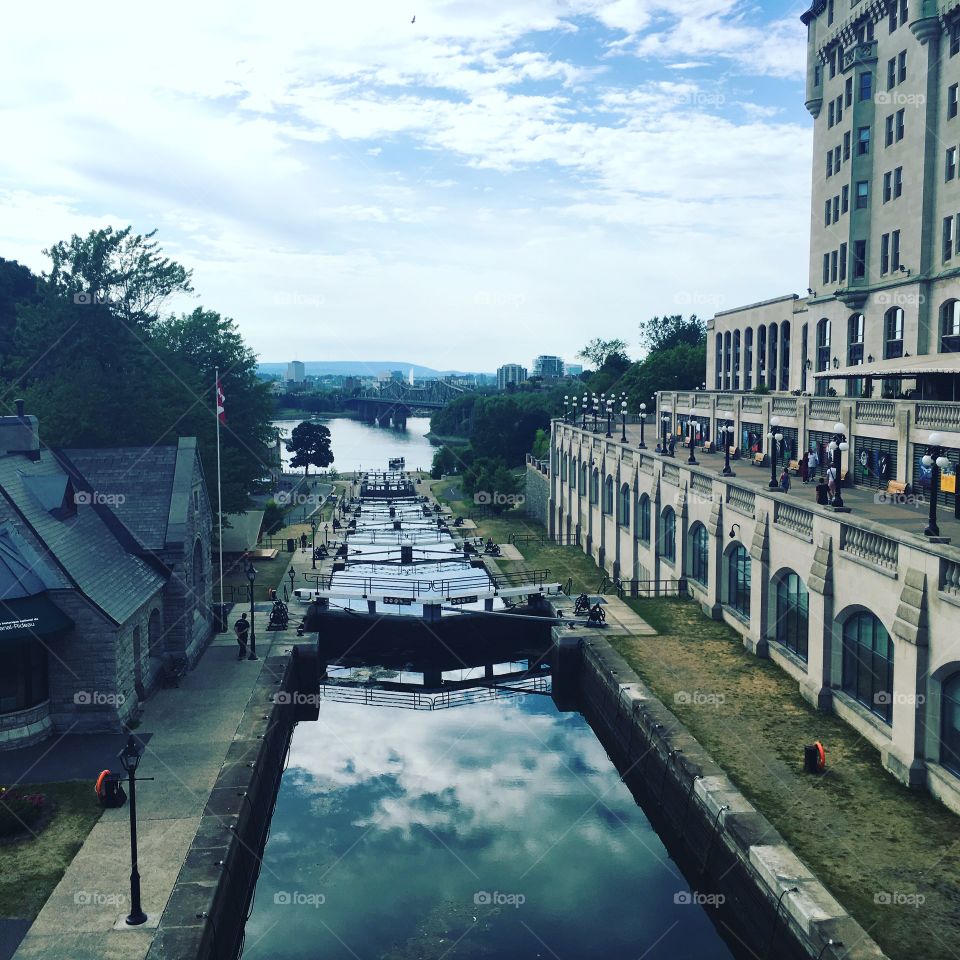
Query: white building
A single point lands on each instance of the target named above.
(296, 372)
(510, 373)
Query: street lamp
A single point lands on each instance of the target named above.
(129, 759)
(936, 460)
(292, 574)
(727, 432)
(836, 446)
(643, 420)
(313, 543)
(609, 418)
(664, 423)
(251, 579)
(774, 437)
(583, 426)
(623, 417)
(692, 427)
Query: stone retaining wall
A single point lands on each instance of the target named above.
(536, 502)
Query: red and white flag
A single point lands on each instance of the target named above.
(221, 414)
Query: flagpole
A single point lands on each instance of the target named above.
(216, 413)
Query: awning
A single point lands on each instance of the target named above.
(36, 617)
(937, 363)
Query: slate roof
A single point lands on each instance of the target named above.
(23, 572)
(83, 543)
(143, 476)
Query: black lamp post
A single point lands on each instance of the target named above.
(251, 579)
(609, 411)
(664, 423)
(583, 406)
(566, 408)
(643, 420)
(292, 574)
(129, 759)
(935, 458)
(623, 417)
(313, 543)
(727, 432)
(774, 436)
(692, 428)
(836, 447)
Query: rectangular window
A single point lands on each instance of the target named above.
(839, 109)
(843, 262)
(902, 66)
(863, 194)
(895, 250)
(950, 164)
(955, 37)
(836, 208)
(833, 64)
(947, 238)
(866, 86)
(829, 163)
(884, 254)
(897, 182)
(952, 100)
(826, 212)
(848, 92)
(863, 141)
(833, 266)
(888, 131)
(887, 187)
(829, 12)
(846, 145)
(859, 259)
(826, 268)
(900, 124)
(844, 199)
(836, 158)
(892, 19)
(831, 115)
(891, 73)
(904, 11)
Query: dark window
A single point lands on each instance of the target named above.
(893, 325)
(738, 581)
(888, 131)
(950, 327)
(827, 207)
(833, 266)
(892, 19)
(23, 679)
(855, 326)
(952, 91)
(736, 360)
(625, 505)
(643, 519)
(887, 187)
(902, 66)
(947, 238)
(699, 553)
(668, 535)
(748, 359)
(829, 12)
(954, 38)
(897, 182)
(846, 149)
(895, 250)
(900, 124)
(792, 614)
(859, 259)
(595, 487)
(874, 462)
(843, 262)
(950, 164)
(884, 254)
(719, 362)
(608, 495)
(863, 141)
(863, 194)
(848, 91)
(868, 664)
(829, 163)
(836, 158)
(831, 114)
(866, 86)
(836, 208)
(844, 198)
(950, 724)
(891, 73)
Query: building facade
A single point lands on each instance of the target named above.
(510, 373)
(548, 367)
(296, 372)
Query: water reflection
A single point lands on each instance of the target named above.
(499, 829)
(356, 444)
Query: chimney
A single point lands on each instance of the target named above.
(20, 433)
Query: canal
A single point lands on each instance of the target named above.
(496, 829)
(357, 445)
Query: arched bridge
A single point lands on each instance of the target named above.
(395, 401)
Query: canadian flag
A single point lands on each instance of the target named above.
(221, 413)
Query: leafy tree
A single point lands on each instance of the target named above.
(17, 285)
(663, 333)
(310, 444)
(600, 352)
(541, 444)
(272, 517)
(682, 367)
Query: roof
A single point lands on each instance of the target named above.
(85, 544)
(23, 572)
(937, 363)
(243, 532)
(143, 477)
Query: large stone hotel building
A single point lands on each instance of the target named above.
(849, 594)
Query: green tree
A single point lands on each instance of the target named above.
(664, 333)
(310, 445)
(600, 352)
(682, 367)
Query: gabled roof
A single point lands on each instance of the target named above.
(23, 572)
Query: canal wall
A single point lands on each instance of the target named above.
(771, 900)
(205, 916)
(536, 502)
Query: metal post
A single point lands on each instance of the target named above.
(136, 915)
(643, 421)
(252, 655)
(727, 437)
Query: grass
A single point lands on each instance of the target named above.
(860, 831)
(31, 868)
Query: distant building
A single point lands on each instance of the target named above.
(296, 373)
(510, 373)
(397, 376)
(550, 368)
(573, 369)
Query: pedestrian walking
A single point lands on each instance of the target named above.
(784, 481)
(832, 481)
(303, 541)
(805, 467)
(242, 629)
(813, 464)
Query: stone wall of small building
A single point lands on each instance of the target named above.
(536, 504)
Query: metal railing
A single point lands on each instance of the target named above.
(652, 588)
(371, 695)
(402, 587)
(543, 539)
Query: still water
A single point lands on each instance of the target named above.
(357, 445)
(497, 829)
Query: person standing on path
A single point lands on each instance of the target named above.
(832, 481)
(784, 481)
(805, 467)
(242, 629)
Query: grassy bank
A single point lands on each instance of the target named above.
(31, 868)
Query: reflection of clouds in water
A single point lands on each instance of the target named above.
(469, 770)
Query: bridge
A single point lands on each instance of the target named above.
(393, 402)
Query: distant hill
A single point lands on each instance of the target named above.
(361, 368)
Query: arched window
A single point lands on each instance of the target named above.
(738, 580)
(785, 355)
(868, 664)
(855, 324)
(893, 327)
(643, 519)
(950, 327)
(625, 505)
(804, 354)
(154, 635)
(595, 486)
(668, 535)
(563, 468)
(736, 360)
(573, 474)
(792, 614)
(950, 724)
(699, 553)
(772, 359)
(726, 360)
(583, 479)
(823, 352)
(608, 494)
(719, 362)
(761, 356)
(748, 359)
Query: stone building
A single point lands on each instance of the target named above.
(105, 574)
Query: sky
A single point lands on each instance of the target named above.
(493, 180)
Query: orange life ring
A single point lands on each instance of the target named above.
(821, 756)
(103, 776)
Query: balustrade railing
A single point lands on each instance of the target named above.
(824, 409)
(626, 456)
(701, 400)
(753, 404)
(793, 518)
(743, 501)
(645, 463)
(872, 547)
(786, 406)
(950, 577)
(940, 416)
(875, 411)
(725, 401)
(671, 473)
(701, 485)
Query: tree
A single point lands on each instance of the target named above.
(600, 352)
(682, 367)
(310, 444)
(17, 285)
(663, 333)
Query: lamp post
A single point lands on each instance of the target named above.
(313, 543)
(583, 426)
(643, 420)
(609, 418)
(774, 437)
(692, 427)
(935, 458)
(292, 574)
(129, 759)
(623, 417)
(664, 423)
(837, 445)
(727, 431)
(251, 579)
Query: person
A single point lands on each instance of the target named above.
(784, 481)
(303, 541)
(813, 463)
(242, 629)
(832, 481)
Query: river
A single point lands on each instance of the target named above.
(356, 444)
